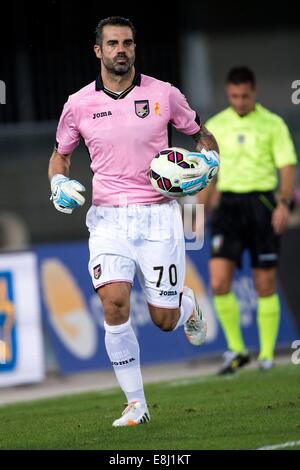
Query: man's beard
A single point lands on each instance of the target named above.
(116, 68)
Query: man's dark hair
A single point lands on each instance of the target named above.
(112, 21)
(239, 75)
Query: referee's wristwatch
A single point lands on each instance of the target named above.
(289, 203)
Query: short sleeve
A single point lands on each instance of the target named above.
(282, 145)
(182, 117)
(67, 134)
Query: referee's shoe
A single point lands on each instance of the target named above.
(233, 361)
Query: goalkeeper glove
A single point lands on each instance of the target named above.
(206, 166)
(66, 193)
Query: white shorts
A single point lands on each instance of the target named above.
(146, 240)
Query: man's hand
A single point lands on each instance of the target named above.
(66, 193)
(280, 218)
(206, 166)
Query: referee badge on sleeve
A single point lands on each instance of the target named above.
(97, 271)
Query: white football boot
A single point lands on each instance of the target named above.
(134, 413)
(195, 327)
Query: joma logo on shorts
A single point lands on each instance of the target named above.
(168, 292)
(104, 113)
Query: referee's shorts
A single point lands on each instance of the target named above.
(243, 222)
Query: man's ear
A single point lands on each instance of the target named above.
(97, 50)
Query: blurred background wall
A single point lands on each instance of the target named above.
(47, 54)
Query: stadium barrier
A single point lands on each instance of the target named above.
(52, 283)
(73, 314)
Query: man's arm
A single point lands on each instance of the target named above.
(286, 191)
(287, 182)
(59, 164)
(205, 140)
(65, 193)
(198, 176)
(209, 196)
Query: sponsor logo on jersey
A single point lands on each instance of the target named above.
(102, 114)
(142, 108)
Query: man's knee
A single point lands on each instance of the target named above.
(115, 311)
(221, 275)
(166, 319)
(165, 324)
(265, 282)
(220, 285)
(265, 290)
(116, 306)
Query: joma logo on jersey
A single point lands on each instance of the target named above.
(104, 113)
(168, 292)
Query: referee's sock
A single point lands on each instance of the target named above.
(268, 317)
(227, 309)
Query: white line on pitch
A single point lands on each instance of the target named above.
(280, 446)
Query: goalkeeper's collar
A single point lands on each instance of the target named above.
(99, 86)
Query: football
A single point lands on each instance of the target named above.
(168, 166)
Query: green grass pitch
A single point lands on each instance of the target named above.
(245, 411)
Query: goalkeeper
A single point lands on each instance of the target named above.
(254, 144)
(123, 117)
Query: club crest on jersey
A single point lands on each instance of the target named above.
(97, 271)
(142, 108)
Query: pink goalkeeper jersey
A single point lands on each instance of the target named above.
(123, 133)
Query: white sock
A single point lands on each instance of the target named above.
(186, 310)
(123, 350)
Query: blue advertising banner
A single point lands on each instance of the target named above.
(74, 315)
(8, 343)
(21, 342)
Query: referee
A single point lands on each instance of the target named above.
(254, 144)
